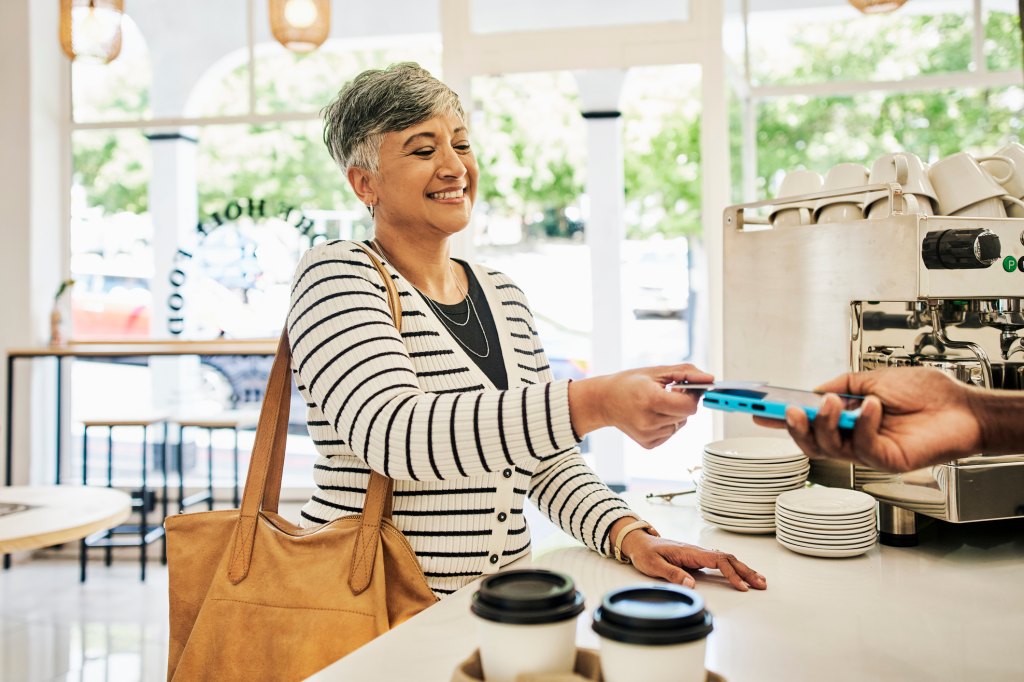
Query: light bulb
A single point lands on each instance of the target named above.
(93, 30)
(89, 29)
(300, 13)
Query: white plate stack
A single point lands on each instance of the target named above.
(866, 475)
(916, 498)
(826, 522)
(741, 477)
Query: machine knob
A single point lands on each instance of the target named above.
(960, 249)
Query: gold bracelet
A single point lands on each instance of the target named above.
(636, 525)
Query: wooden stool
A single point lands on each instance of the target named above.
(233, 421)
(116, 537)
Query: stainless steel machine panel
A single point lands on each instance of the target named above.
(804, 304)
(1002, 279)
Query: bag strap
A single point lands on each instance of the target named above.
(266, 467)
(379, 491)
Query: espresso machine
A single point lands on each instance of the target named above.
(806, 303)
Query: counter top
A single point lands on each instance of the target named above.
(950, 609)
(116, 348)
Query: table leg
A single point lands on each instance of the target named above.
(234, 497)
(108, 558)
(163, 472)
(209, 466)
(8, 454)
(145, 500)
(9, 409)
(83, 549)
(59, 414)
(179, 448)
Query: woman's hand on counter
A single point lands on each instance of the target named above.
(660, 557)
(635, 402)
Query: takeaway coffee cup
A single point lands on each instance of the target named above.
(655, 633)
(526, 623)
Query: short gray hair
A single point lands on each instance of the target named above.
(380, 101)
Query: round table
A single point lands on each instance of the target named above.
(58, 514)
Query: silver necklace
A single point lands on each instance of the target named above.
(465, 295)
(470, 310)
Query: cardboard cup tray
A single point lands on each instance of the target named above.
(588, 669)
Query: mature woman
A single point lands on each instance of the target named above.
(460, 408)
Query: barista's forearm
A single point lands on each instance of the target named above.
(1000, 415)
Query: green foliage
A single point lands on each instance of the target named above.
(819, 132)
(663, 181)
(528, 138)
(113, 167)
(286, 164)
(1003, 42)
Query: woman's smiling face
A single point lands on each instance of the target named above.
(427, 176)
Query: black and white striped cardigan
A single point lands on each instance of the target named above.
(416, 408)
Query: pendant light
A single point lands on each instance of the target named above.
(300, 25)
(877, 6)
(91, 29)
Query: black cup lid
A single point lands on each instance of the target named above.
(652, 614)
(527, 597)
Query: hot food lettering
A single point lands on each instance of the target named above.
(253, 209)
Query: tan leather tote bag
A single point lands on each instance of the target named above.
(255, 597)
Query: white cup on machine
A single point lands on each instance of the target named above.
(526, 623)
(840, 209)
(911, 174)
(1014, 184)
(791, 214)
(964, 188)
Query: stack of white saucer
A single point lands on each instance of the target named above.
(916, 498)
(865, 475)
(741, 477)
(826, 522)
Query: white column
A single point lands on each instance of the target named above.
(714, 154)
(605, 229)
(455, 61)
(173, 207)
(33, 192)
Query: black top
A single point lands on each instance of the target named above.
(474, 329)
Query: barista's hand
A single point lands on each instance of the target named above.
(636, 402)
(658, 557)
(927, 419)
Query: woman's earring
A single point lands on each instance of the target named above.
(369, 208)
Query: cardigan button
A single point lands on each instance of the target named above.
(502, 516)
(494, 558)
(507, 473)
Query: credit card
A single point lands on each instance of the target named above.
(683, 386)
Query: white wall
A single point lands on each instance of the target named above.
(36, 157)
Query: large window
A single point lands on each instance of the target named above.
(828, 85)
(236, 145)
(817, 85)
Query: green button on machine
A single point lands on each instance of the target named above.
(1009, 264)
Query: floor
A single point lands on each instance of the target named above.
(52, 627)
